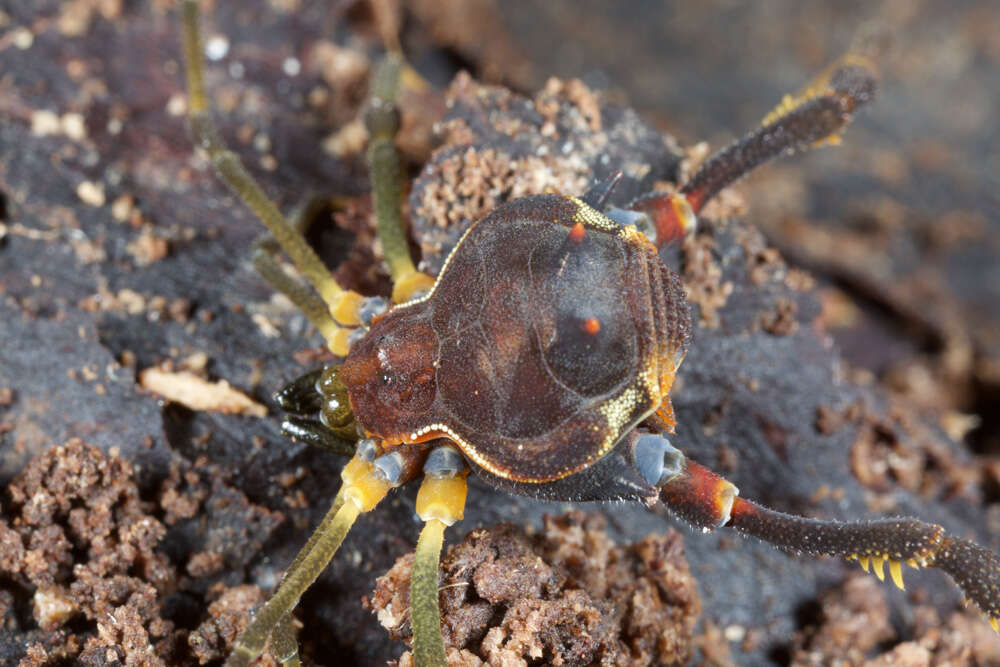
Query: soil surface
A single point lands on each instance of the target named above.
(860, 380)
(566, 596)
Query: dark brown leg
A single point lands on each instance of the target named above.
(708, 501)
(817, 116)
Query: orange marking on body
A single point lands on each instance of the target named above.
(701, 496)
(577, 232)
(592, 325)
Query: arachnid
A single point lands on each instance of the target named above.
(541, 358)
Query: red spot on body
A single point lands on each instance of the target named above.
(592, 325)
(577, 232)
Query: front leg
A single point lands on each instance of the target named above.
(708, 501)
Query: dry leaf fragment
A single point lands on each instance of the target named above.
(197, 393)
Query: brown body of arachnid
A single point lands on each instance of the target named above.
(550, 333)
(542, 359)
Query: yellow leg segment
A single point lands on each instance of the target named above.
(440, 502)
(382, 122)
(363, 488)
(428, 645)
(283, 643)
(304, 298)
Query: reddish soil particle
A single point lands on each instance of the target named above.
(180, 504)
(205, 563)
(120, 633)
(148, 248)
(6, 396)
(799, 280)
(714, 646)
(35, 656)
(128, 301)
(763, 264)
(567, 596)
(582, 101)
(854, 621)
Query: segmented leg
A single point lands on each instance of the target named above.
(252, 641)
(342, 304)
(382, 122)
(428, 645)
(708, 501)
(364, 486)
(816, 116)
(284, 644)
(440, 503)
(304, 298)
(975, 569)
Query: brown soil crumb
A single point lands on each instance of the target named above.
(703, 284)
(130, 302)
(781, 321)
(714, 646)
(148, 248)
(893, 447)
(229, 615)
(199, 394)
(499, 146)
(567, 596)
(854, 625)
(90, 583)
(76, 500)
(828, 420)
(855, 620)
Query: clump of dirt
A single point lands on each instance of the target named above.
(855, 619)
(498, 146)
(229, 615)
(566, 596)
(894, 447)
(781, 321)
(84, 575)
(854, 625)
(703, 282)
(75, 531)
